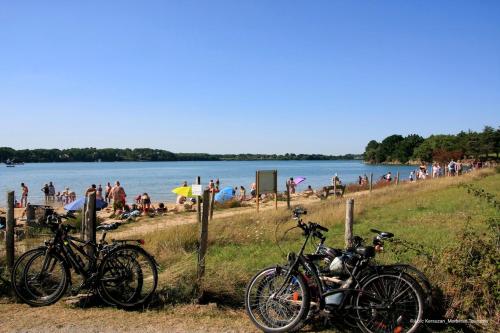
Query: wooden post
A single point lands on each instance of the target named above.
(276, 190)
(203, 235)
(212, 202)
(257, 189)
(89, 221)
(334, 187)
(349, 221)
(9, 230)
(371, 181)
(287, 195)
(198, 202)
(397, 178)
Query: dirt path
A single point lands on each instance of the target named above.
(64, 318)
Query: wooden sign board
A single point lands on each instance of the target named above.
(267, 182)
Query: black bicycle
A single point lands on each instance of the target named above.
(340, 283)
(121, 272)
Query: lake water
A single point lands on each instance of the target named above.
(159, 178)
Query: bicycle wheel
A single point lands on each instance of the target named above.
(128, 277)
(43, 280)
(276, 303)
(17, 275)
(389, 303)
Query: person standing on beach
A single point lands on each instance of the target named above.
(24, 195)
(52, 192)
(217, 185)
(118, 195)
(211, 185)
(242, 193)
(98, 193)
(108, 192)
(291, 185)
(45, 190)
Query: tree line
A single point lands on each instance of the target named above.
(440, 148)
(144, 154)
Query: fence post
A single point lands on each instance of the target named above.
(371, 181)
(349, 220)
(397, 178)
(287, 195)
(89, 221)
(9, 230)
(198, 202)
(212, 201)
(257, 194)
(203, 235)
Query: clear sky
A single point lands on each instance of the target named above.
(245, 76)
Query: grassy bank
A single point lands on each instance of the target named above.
(433, 216)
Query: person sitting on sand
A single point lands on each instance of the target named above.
(161, 208)
(180, 200)
(253, 190)
(308, 192)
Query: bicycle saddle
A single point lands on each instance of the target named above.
(109, 226)
(383, 234)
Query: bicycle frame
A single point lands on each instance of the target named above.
(300, 260)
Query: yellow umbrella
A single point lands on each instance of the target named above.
(185, 191)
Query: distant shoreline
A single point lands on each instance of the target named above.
(10, 155)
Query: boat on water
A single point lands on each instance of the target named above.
(12, 163)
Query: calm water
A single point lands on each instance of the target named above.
(159, 178)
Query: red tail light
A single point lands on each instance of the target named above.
(141, 241)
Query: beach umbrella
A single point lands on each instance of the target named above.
(185, 191)
(298, 180)
(225, 194)
(79, 203)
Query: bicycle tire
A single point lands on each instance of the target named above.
(29, 294)
(110, 294)
(263, 323)
(412, 286)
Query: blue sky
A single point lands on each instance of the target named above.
(245, 76)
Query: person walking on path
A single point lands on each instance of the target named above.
(451, 168)
(45, 190)
(24, 195)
